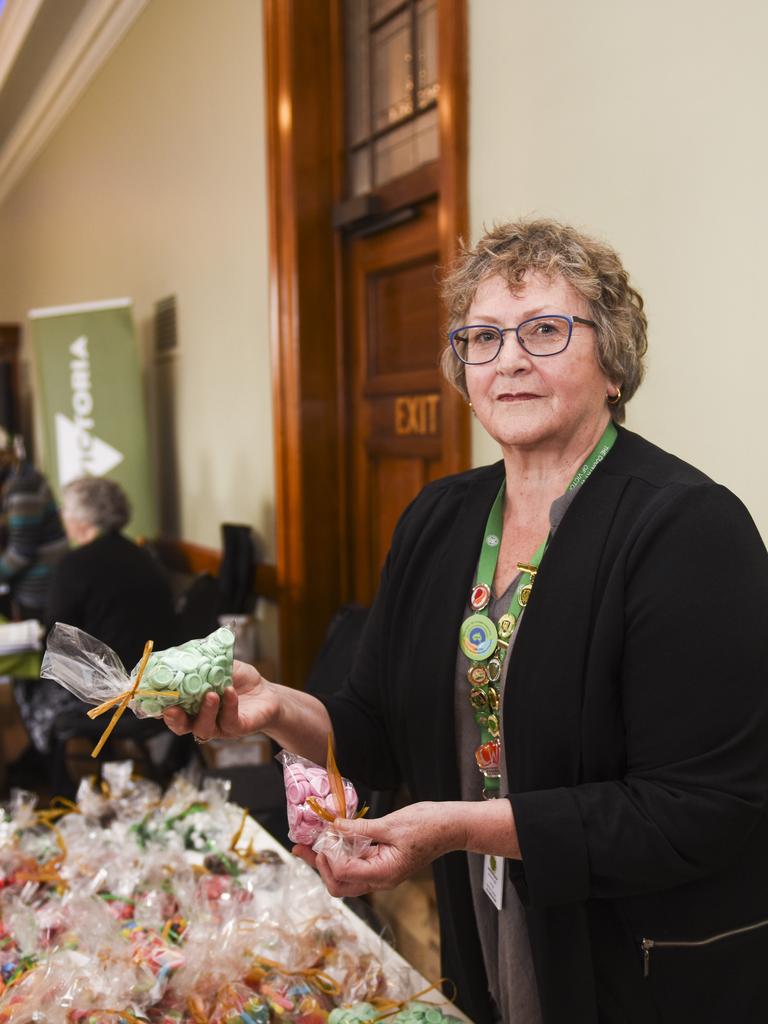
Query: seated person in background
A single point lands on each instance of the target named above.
(34, 537)
(108, 587)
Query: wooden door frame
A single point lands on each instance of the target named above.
(304, 134)
(10, 348)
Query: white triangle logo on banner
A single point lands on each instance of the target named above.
(80, 453)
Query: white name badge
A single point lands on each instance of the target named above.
(493, 879)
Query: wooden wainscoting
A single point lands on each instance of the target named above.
(185, 557)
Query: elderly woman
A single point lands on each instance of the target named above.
(107, 586)
(577, 631)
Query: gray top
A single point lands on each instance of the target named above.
(503, 933)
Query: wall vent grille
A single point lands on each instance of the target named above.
(166, 339)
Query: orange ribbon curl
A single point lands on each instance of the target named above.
(124, 700)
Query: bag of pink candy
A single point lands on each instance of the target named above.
(316, 797)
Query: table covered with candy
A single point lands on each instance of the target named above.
(175, 908)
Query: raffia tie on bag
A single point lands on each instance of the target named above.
(124, 699)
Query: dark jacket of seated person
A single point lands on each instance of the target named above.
(108, 587)
(116, 591)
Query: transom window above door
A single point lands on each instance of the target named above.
(391, 89)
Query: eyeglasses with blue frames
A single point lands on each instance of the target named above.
(539, 336)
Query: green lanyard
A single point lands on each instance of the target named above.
(484, 643)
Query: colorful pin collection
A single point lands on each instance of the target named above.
(485, 643)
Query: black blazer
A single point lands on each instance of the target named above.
(636, 736)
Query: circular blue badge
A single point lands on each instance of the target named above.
(478, 637)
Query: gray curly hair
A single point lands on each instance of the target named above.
(591, 267)
(96, 500)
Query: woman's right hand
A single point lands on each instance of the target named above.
(250, 705)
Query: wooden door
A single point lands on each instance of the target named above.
(395, 431)
(362, 419)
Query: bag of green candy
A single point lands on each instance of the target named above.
(176, 676)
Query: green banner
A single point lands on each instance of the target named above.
(92, 401)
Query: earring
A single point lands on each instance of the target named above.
(470, 405)
(614, 399)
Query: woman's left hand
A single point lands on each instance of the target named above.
(407, 839)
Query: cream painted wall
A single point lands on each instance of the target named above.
(644, 124)
(155, 185)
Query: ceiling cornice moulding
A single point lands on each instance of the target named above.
(14, 25)
(97, 31)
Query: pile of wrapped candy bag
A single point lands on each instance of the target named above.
(133, 905)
